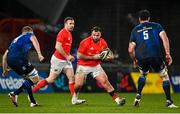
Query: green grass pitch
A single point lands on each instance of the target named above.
(96, 103)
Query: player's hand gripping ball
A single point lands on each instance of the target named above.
(106, 55)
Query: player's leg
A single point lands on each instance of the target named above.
(70, 75)
(50, 79)
(32, 78)
(103, 80)
(144, 67)
(68, 70)
(159, 66)
(79, 81)
(26, 70)
(56, 68)
(99, 74)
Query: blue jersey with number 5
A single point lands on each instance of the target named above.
(147, 40)
(20, 46)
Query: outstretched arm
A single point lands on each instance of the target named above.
(4, 63)
(37, 47)
(165, 41)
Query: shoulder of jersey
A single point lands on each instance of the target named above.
(86, 39)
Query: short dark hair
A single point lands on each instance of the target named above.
(68, 18)
(96, 29)
(27, 29)
(144, 14)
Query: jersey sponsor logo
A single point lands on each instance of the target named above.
(91, 48)
(144, 28)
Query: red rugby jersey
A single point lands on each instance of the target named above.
(88, 47)
(65, 38)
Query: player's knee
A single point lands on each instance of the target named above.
(35, 79)
(71, 78)
(50, 79)
(164, 73)
(143, 73)
(78, 84)
(33, 76)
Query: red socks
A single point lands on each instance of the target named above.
(115, 96)
(41, 84)
(71, 88)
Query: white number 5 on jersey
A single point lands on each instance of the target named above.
(145, 34)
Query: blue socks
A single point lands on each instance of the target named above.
(166, 87)
(141, 83)
(26, 85)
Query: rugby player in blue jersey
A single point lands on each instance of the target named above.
(15, 57)
(145, 51)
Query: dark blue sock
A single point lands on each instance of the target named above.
(26, 85)
(141, 83)
(166, 87)
(18, 91)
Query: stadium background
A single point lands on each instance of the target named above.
(116, 17)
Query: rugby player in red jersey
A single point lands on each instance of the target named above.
(61, 59)
(89, 61)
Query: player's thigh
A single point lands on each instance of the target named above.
(143, 66)
(56, 65)
(102, 78)
(23, 67)
(159, 66)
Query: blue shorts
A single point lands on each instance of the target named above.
(21, 66)
(156, 63)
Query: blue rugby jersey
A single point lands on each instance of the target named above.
(147, 40)
(20, 46)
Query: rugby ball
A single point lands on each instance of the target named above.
(104, 54)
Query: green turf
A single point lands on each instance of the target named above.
(96, 102)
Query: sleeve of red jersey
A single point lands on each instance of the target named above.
(82, 47)
(60, 37)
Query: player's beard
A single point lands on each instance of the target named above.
(96, 40)
(71, 28)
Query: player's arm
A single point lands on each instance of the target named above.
(131, 51)
(60, 49)
(165, 41)
(4, 63)
(85, 57)
(37, 47)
